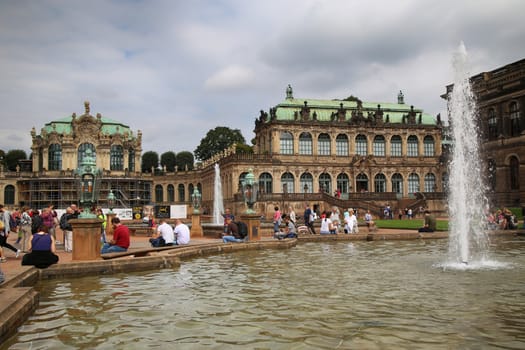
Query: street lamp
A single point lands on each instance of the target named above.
(196, 198)
(111, 201)
(250, 188)
(89, 178)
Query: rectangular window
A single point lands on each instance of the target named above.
(305, 147)
(379, 149)
(286, 146)
(323, 148)
(341, 148)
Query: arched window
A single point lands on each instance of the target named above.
(131, 159)
(9, 195)
(361, 146)
(396, 149)
(116, 158)
(514, 166)
(171, 193)
(379, 146)
(306, 183)
(397, 183)
(286, 143)
(265, 183)
(412, 146)
(159, 194)
(342, 183)
(430, 183)
(305, 143)
(323, 145)
(515, 129)
(428, 146)
(493, 124)
(82, 151)
(287, 181)
(341, 145)
(325, 183)
(54, 161)
(361, 183)
(182, 193)
(491, 174)
(413, 183)
(380, 183)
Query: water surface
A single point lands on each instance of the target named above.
(365, 295)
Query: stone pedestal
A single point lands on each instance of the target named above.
(109, 227)
(196, 228)
(86, 238)
(254, 226)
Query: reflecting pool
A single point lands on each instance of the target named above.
(361, 295)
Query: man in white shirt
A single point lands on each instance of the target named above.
(182, 233)
(164, 235)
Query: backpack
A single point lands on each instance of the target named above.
(243, 229)
(12, 223)
(63, 221)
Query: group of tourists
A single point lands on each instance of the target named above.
(35, 232)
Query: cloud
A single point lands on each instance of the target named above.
(176, 69)
(230, 78)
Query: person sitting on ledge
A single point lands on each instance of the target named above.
(232, 233)
(120, 241)
(42, 249)
(163, 236)
(289, 232)
(430, 223)
(182, 233)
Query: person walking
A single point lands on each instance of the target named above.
(308, 217)
(5, 228)
(25, 228)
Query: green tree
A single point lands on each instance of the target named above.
(185, 158)
(12, 157)
(168, 159)
(242, 148)
(149, 159)
(216, 140)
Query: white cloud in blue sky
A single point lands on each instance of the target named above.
(175, 69)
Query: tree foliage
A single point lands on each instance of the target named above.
(185, 159)
(168, 159)
(216, 140)
(12, 157)
(149, 159)
(242, 148)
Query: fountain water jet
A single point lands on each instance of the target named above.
(218, 205)
(468, 242)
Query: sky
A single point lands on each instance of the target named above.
(176, 69)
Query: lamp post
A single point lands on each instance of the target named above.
(111, 201)
(86, 229)
(196, 228)
(250, 189)
(89, 178)
(110, 214)
(196, 198)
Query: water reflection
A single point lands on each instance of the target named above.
(368, 295)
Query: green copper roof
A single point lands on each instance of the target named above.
(109, 126)
(324, 109)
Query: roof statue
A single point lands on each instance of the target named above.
(289, 92)
(400, 98)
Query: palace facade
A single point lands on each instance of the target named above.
(326, 152)
(500, 97)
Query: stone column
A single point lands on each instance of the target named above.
(196, 228)
(86, 238)
(254, 226)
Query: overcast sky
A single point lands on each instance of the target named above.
(176, 69)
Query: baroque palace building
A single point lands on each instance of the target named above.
(500, 97)
(324, 152)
